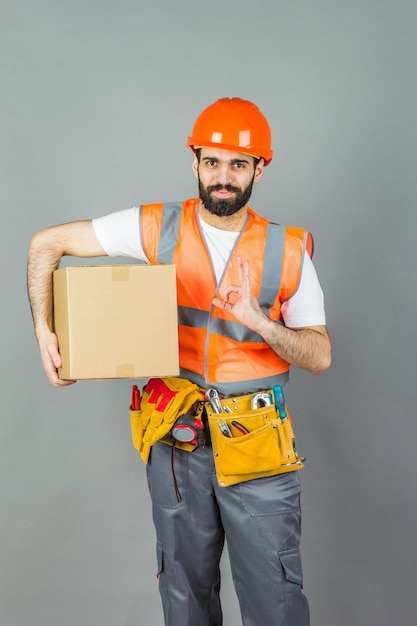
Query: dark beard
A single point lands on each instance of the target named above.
(227, 206)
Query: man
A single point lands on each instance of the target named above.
(250, 305)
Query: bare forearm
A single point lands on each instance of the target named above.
(309, 348)
(45, 252)
(42, 262)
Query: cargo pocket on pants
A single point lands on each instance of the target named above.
(297, 605)
(162, 581)
(159, 559)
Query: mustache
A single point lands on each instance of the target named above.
(220, 187)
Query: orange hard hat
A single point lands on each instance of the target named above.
(233, 124)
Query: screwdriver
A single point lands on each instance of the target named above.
(279, 401)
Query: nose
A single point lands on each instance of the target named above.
(224, 174)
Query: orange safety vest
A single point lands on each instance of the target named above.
(215, 349)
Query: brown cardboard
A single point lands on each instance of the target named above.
(116, 321)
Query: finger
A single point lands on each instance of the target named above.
(54, 355)
(64, 383)
(246, 281)
(51, 362)
(50, 370)
(240, 266)
(244, 272)
(220, 303)
(230, 289)
(55, 380)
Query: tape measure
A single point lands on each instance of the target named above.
(189, 429)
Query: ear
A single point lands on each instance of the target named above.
(259, 170)
(195, 166)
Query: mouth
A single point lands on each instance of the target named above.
(224, 192)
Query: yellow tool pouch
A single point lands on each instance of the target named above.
(163, 401)
(261, 443)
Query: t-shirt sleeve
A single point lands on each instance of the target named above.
(119, 234)
(306, 306)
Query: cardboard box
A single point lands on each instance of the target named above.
(116, 321)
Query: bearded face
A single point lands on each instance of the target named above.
(227, 205)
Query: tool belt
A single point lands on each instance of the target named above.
(247, 442)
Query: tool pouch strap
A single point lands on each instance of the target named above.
(163, 401)
(267, 449)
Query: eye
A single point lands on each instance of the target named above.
(210, 162)
(239, 165)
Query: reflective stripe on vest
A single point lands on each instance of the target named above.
(216, 349)
(237, 388)
(272, 268)
(169, 232)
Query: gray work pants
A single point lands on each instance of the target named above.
(261, 521)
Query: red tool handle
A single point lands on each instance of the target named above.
(135, 398)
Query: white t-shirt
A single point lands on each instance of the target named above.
(119, 235)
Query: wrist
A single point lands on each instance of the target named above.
(42, 331)
(265, 326)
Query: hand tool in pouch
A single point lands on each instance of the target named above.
(279, 401)
(261, 397)
(224, 427)
(189, 429)
(214, 399)
(135, 398)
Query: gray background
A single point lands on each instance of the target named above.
(97, 100)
